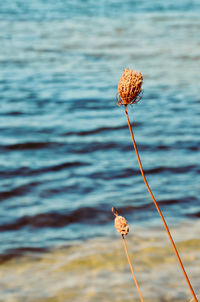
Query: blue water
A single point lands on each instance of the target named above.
(66, 154)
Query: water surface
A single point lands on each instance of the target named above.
(66, 155)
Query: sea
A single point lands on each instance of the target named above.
(66, 154)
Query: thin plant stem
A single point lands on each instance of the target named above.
(157, 207)
(129, 262)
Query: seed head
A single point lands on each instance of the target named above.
(120, 223)
(129, 87)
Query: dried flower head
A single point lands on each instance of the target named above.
(121, 225)
(129, 87)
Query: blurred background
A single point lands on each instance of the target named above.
(66, 154)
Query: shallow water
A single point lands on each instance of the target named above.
(97, 269)
(66, 155)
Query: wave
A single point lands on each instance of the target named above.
(173, 170)
(86, 215)
(58, 220)
(194, 215)
(18, 191)
(19, 252)
(30, 146)
(25, 171)
(99, 130)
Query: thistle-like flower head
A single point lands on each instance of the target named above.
(130, 87)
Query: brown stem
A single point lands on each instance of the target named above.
(129, 261)
(158, 209)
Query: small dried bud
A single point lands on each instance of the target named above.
(121, 225)
(129, 87)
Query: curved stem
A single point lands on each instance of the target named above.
(129, 261)
(157, 207)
